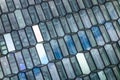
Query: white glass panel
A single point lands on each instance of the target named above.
(37, 33)
(102, 75)
(83, 63)
(9, 42)
(42, 53)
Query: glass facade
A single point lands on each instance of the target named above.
(59, 39)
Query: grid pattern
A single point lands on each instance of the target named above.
(59, 39)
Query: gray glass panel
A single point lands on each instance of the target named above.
(13, 21)
(14, 78)
(30, 35)
(34, 56)
(58, 27)
(27, 58)
(94, 76)
(24, 3)
(3, 6)
(26, 17)
(31, 2)
(13, 63)
(1, 27)
(117, 72)
(81, 4)
(67, 6)
(17, 3)
(33, 14)
(1, 72)
(20, 19)
(16, 40)
(74, 5)
(10, 5)
(87, 3)
(30, 75)
(23, 38)
(6, 23)
(72, 23)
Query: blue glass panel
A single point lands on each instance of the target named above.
(70, 44)
(22, 76)
(56, 49)
(84, 40)
(98, 36)
(37, 74)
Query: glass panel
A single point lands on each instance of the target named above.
(13, 21)
(12, 62)
(109, 74)
(90, 61)
(111, 54)
(58, 27)
(34, 56)
(81, 4)
(27, 58)
(17, 3)
(87, 3)
(16, 40)
(94, 76)
(10, 5)
(33, 14)
(63, 47)
(46, 73)
(85, 19)
(3, 6)
(20, 19)
(117, 49)
(22, 76)
(42, 53)
(97, 58)
(6, 23)
(91, 38)
(101, 1)
(104, 56)
(56, 49)
(117, 7)
(60, 7)
(98, 36)
(53, 8)
(74, 5)
(117, 27)
(68, 68)
(65, 25)
(14, 78)
(1, 27)
(1, 72)
(24, 3)
(72, 23)
(31, 2)
(23, 38)
(102, 75)
(5, 65)
(83, 63)
(67, 6)
(75, 65)
(98, 15)
(117, 72)
(20, 61)
(46, 10)
(53, 71)
(30, 75)
(105, 34)
(70, 44)
(9, 42)
(84, 40)
(26, 17)
(30, 36)
(111, 31)
(40, 12)
(111, 10)
(77, 42)
(37, 33)
(61, 71)
(51, 29)
(37, 73)
(49, 51)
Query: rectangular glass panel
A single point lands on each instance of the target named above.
(94, 76)
(5, 65)
(20, 19)
(17, 3)
(67, 6)
(1, 27)
(10, 5)
(20, 61)
(1, 72)
(3, 6)
(37, 33)
(37, 74)
(22, 76)
(42, 53)
(117, 72)
(102, 75)
(74, 5)
(83, 63)
(56, 49)
(24, 3)
(27, 58)
(12, 62)
(34, 56)
(97, 58)
(85, 19)
(14, 78)
(68, 68)
(30, 75)
(9, 42)
(53, 71)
